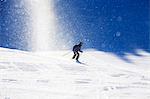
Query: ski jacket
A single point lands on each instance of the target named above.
(76, 48)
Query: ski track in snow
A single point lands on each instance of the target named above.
(50, 75)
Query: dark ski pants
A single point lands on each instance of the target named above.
(76, 55)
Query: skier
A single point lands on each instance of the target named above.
(76, 49)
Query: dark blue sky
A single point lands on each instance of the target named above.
(13, 23)
(108, 25)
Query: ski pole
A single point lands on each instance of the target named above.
(67, 53)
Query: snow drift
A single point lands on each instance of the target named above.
(54, 75)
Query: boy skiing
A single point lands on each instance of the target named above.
(76, 49)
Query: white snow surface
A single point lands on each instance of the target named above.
(54, 75)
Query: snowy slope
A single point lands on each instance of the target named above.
(54, 75)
